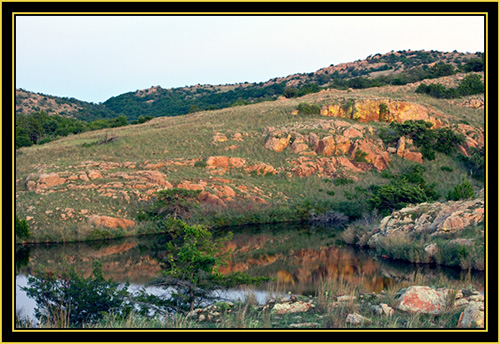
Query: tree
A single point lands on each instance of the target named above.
(191, 267)
(470, 85)
(290, 92)
(80, 300)
(175, 203)
(461, 191)
(22, 229)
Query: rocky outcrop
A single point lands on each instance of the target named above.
(43, 181)
(430, 222)
(432, 218)
(372, 152)
(225, 162)
(472, 316)
(277, 144)
(211, 199)
(380, 110)
(110, 222)
(418, 299)
(261, 169)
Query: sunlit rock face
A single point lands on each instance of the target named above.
(381, 110)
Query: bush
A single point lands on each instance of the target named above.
(397, 195)
(22, 229)
(308, 109)
(360, 156)
(430, 141)
(463, 190)
(192, 268)
(342, 181)
(409, 188)
(175, 203)
(475, 162)
(200, 163)
(80, 300)
(290, 92)
(470, 85)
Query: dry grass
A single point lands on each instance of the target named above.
(190, 137)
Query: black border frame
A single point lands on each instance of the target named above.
(264, 8)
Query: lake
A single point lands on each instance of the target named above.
(299, 256)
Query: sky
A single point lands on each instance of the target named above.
(93, 58)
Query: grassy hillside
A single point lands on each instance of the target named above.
(65, 188)
(393, 68)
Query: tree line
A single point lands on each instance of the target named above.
(40, 127)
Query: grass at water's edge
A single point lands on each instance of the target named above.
(327, 312)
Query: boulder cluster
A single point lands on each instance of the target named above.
(430, 218)
(408, 301)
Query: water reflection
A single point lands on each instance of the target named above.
(299, 257)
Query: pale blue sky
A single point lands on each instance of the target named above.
(93, 58)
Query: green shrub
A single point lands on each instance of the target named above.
(430, 141)
(81, 300)
(290, 92)
(409, 188)
(461, 191)
(475, 162)
(200, 163)
(383, 112)
(397, 195)
(175, 203)
(308, 109)
(446, 140)
(22, 229)
(360, 156)
(469, 85)
(192, 268)
(342, 181)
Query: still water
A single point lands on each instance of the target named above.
(299, 257)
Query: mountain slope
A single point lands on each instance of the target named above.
(262, 162)
(394, 68)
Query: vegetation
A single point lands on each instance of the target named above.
(22, 229)
(470, 85)
(191, 268)
(408, 188)
(461, 191)
(40, 128)
(308, 109)
(328, 313)
(475, 163)
(70, 299)
(442, 140)
(400, 68)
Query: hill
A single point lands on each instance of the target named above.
(327, 156)
(394, 68)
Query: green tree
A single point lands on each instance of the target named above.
(192, 265)
(463, 190)
(22, 229)
(290, 92)
(470, 85)
(194, 108)
(81, 299)
(174, 203)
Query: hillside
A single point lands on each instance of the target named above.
(323, 155)
(394, 68)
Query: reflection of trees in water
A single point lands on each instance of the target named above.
(296, 255)
(128, 258)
